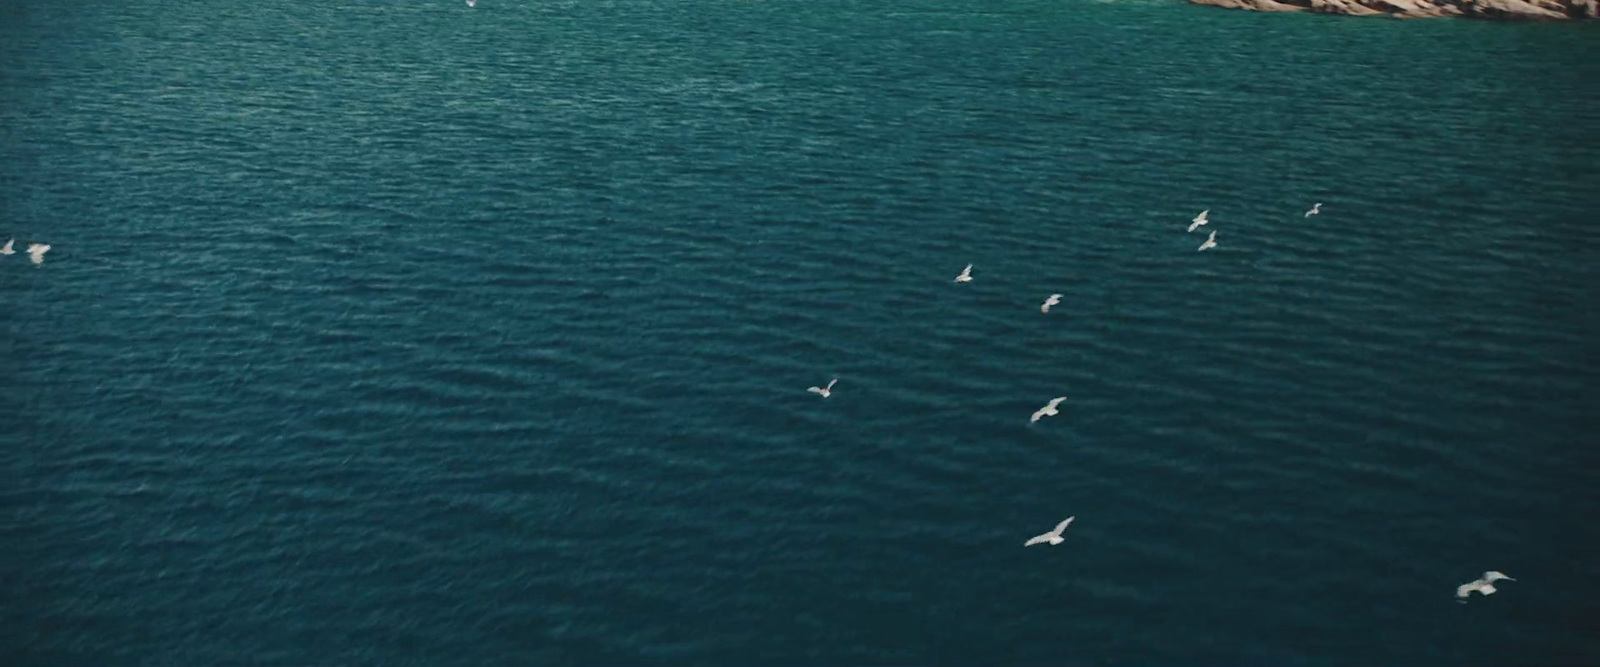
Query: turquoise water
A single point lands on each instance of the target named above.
(380, 334)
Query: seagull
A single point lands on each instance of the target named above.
(824, 391)
(1053, 537)
(1053, 300)
(472, 3)
(1484, 585)
(6, 250)
(1199, 220)
(966, 275)
(1315, 209)
(1210, 242)
(1049, 409)
(36, 252)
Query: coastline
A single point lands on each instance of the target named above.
(1514, 10)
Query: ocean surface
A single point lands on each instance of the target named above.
(382, 333)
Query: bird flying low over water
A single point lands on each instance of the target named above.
(1199, 220)
(36, 252)
(1049, 410)
(1053, 300)
(1211, 242)
(1053, 537)
(6, 249)
(472, 3)
(966, 275)
(824, 391)
(1484, 585)
(1315, 209)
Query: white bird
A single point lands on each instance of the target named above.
(824, 391)
(1053, 537)
(966, 275)
(1053, 300)
(472, 3)
(6, 250)
(36, 252)
(1199, 220)
(1315, 209)
(1211, 242)
(1049, 409)
(1484, 585)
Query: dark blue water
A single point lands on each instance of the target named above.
(384, 333)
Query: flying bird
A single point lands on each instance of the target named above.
(36, 252)
(1053, 537)
(6, 249)
(1053, 300)
(1049, 409)
(1315, 209)
(472, 3)
(824, 391)
(1484, 585)
(966, 275)
(1199, 220)
(1211, 242)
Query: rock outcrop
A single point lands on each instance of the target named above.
(1536, 10)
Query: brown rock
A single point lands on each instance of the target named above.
(1253, 5)
(1275, 6)
(1410, 9)
(1225, 4)
(1342, 7)
(1483, 9)
(1509, 9)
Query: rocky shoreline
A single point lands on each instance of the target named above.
(1536, 10)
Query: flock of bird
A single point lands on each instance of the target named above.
(36, 251)
(1483, 586)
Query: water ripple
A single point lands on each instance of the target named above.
(378, 334)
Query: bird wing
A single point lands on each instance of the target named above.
(1465, 590)
(833, 382)
(1035, 540)
(1063, 525)
(1039, 413)
(1057, 401)
(814, 390)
